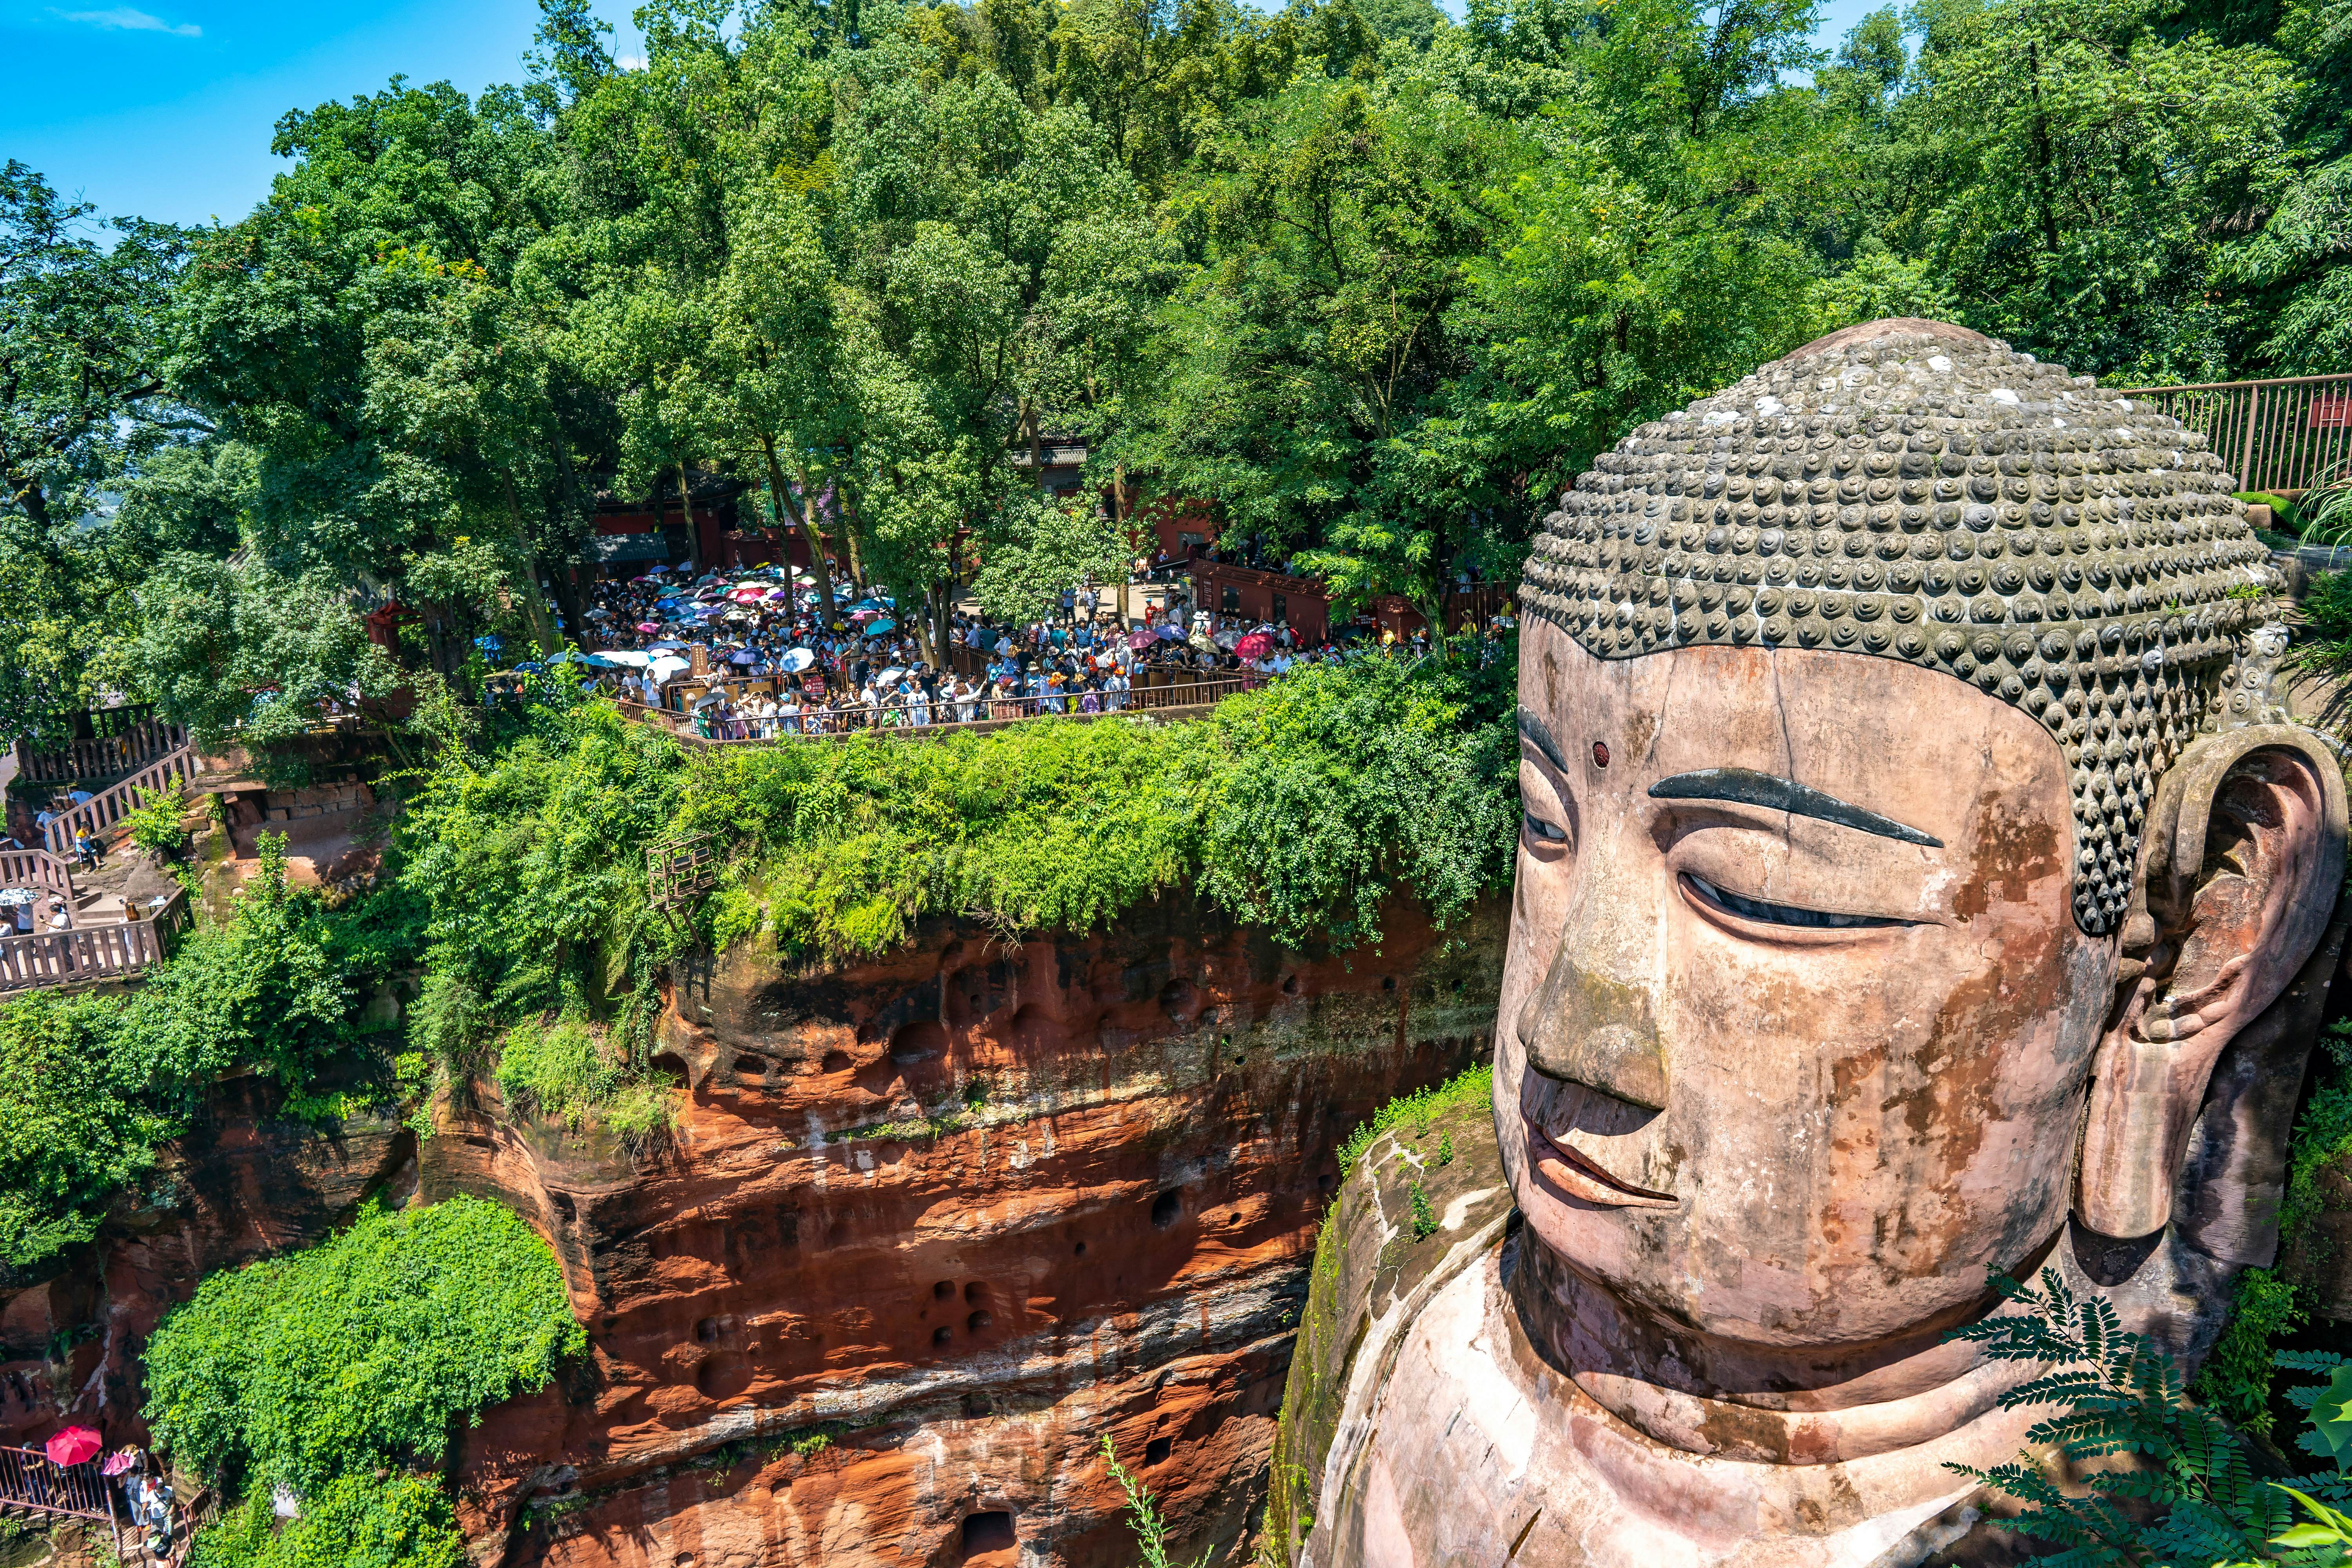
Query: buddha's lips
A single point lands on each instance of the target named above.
(1580, 1176)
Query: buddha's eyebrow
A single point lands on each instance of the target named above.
(1746, 787)
(1540, 739)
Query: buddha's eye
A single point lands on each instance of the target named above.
(1767, 913)
(1544, 832)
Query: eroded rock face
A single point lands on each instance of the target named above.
(945, 1221)
(929, 1229)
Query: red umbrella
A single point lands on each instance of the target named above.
(74, 1446)
(1254, 646)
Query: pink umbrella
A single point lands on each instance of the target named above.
(749, 595)
(649, 627)
(1254, 646)
(73, 1445)
(1141, 639)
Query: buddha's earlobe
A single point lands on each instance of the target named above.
(2243, 857)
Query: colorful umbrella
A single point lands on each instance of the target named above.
(489, 644)
(73, 1445)
(649, 627)
(1141, 638)
(793, 663)
(1254, 646)
(880, 627)
(1172, 633)
(743, 655)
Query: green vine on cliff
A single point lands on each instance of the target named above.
(332, 1370)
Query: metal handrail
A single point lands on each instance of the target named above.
(989, 710)
(29, 1479)
(2222, 385)
(2287, 433)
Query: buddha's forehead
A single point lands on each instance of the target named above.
(1910, 744)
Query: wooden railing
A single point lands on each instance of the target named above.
(122, 744)
(112, 805)
(38, 869)
(27, 1479)
(2290, 434)
(81, 956)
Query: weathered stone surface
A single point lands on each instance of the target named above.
(961, 1211)
(1107, 1233)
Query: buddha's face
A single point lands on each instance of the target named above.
(1797, 1021)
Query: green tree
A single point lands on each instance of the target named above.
(2067, 167)
(84, 399)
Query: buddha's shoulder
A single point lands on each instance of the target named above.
(1426, 1198)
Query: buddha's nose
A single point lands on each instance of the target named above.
(1586, 1029)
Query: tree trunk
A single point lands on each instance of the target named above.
(685, 506)
(817, 567)
(534, 602)
(857, 565)
(1127, 541)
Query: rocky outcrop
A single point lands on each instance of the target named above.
(926, 1230)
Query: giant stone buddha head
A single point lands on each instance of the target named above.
(1894, 871)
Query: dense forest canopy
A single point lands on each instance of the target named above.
(1373, 280)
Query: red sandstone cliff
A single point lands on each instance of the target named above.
(1104, 1229)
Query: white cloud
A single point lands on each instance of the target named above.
(631, 62)
(124, 19)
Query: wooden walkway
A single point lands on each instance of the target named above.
(84, 955)
(112, 804)
(127, 738)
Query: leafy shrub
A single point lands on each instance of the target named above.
(2118, 1394)
(360, 1353)
(1298, 807)
(640, 1114)
(527, 871)
(1424, 1217)
(1471, 1086)
(356, 1522)
(560, 1070)
(71, 1129)
(2236, 1378)
(155, 822)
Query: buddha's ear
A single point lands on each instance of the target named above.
(2241, 860)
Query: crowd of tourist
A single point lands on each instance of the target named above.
(748, 656)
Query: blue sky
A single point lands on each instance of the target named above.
(163, 107)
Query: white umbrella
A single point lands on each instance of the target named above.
(666, 669)
(630, 657)
(888, 678)
(793, 663)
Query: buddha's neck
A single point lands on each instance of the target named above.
(1737, 1400)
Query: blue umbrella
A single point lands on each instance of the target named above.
(530, 667)
(489, 644)
(876, 628)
